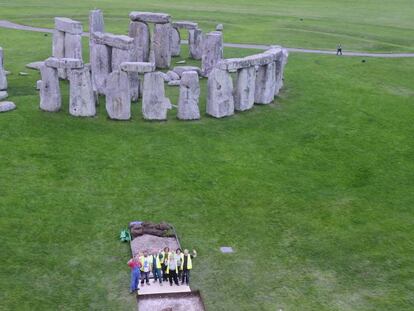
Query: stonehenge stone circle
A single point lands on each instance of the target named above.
(82, 98)
(245, 88)
(153, 101)
(189, 96)
(118, 99)
(212, 51)
(50, 98)
(3, 78)
(220, 102)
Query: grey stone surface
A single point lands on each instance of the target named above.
(81, 96)
(161, 45)
(212, 51)
(180, 69)
(139, 67)
(140, 32)
(219, 27)
(58, 49)
(35, 65)
(185, 25)
(64, 63)
(245, 89)
(226, 249)
(149, 17)
(101, 66)
(118, 57)
(195, 42)
(153, 102)
(220, 102)
(233, 64)
(68, 25)
(167, 103)
(3, 78)
(173, 75)
(96, 21)
(73, 46)
(118, 99)
(3, 95)
(280, 70)
(50, 97)
(265, 84)
(174, 83)
(7, 106)
(38, 85)
(165, 77)
(189, 97)
(175, 42)
(116, 41)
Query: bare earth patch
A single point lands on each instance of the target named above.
(150, 242)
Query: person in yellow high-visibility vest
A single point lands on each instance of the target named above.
(164, 262)
(156, 265)
(187, 265)
(146, 263)
(172, 269)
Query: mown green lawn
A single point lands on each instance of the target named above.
(315, 192)
(364, 25)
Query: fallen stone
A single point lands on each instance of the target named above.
(50, 97)
(175, 42)
(180, 69)
(153, 101)
(81, 96)
(68, 25)
(64, 63)
(140, 32)
(21, 73)
(38, 85)
(149, 17)
(118, 99)
(161, 42)
(181, 62)
(96, 21)
(245, 89)
(35, 65)
(219, 27)
(101, 66)
(189, 97)
(174, 83)
(184, 25)
(3, 95)
(212, 51)
(220, 102)
(195, 42)
(7, 106)
(165, 77)
(116, 41)
(173, 75)
(265, 84)
(139, 67)
(226, 249)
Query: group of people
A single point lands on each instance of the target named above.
(165, 265)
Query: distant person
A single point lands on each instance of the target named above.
(135, 265)
(339, 49)
(179, 256)
(172, 269)
(146, 262)
(166, 254)
(156, 265)
(187, 265)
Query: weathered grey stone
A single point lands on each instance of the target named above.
(153, 102)
(212, 51)
(220, 102)
(195, 42)
(140, 32)
(189, 97)
(173, 75)
(161, 44)
(280, 70)
(34, 65)
(96, 21)
(183, 61)
(219, 27)
(245, 89)
(50, 98)
(3, 95)
(82, 99)
(233, 64)
(7, 72)
(64, 63)
(7, 106)
(265, 84)
(116, 41)
(3, 78)
(118, 99)
(58, 49)
(175, 42)
(174, 83)
(68, 25)
(73, 46)
(101, 66)
(38, 85)
(165, 77)
(167, 103)
(185, 25)
(180, 69)
(149, 17)
(139, 67)
(118, 57)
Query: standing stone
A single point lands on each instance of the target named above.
(140, 32)
(3, 78)
(212, 51)
(280, 70)
(220, 102)
(153, 101)
(82, 98)
(189, 97)
(101, 66)
(58, 49)
(96, 21)
(175, 42)
(73, 46)
(50, 98)
(195, 42)
(219, 27)
(245, 88)
(118, 57)
(161, 45)
(265, 84)
(118, 99)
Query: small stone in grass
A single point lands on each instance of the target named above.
(226, 250)
(180, 62)
(21, 73)
(3, 95)
(7, 106)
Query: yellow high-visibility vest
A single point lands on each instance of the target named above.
(189, 262)
(168, 265)
(157, 261)
(142, 259)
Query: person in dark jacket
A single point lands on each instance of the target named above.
(186, 266)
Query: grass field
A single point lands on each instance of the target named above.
(314, 192)
(364, 25)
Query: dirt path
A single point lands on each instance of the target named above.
(10, 25)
